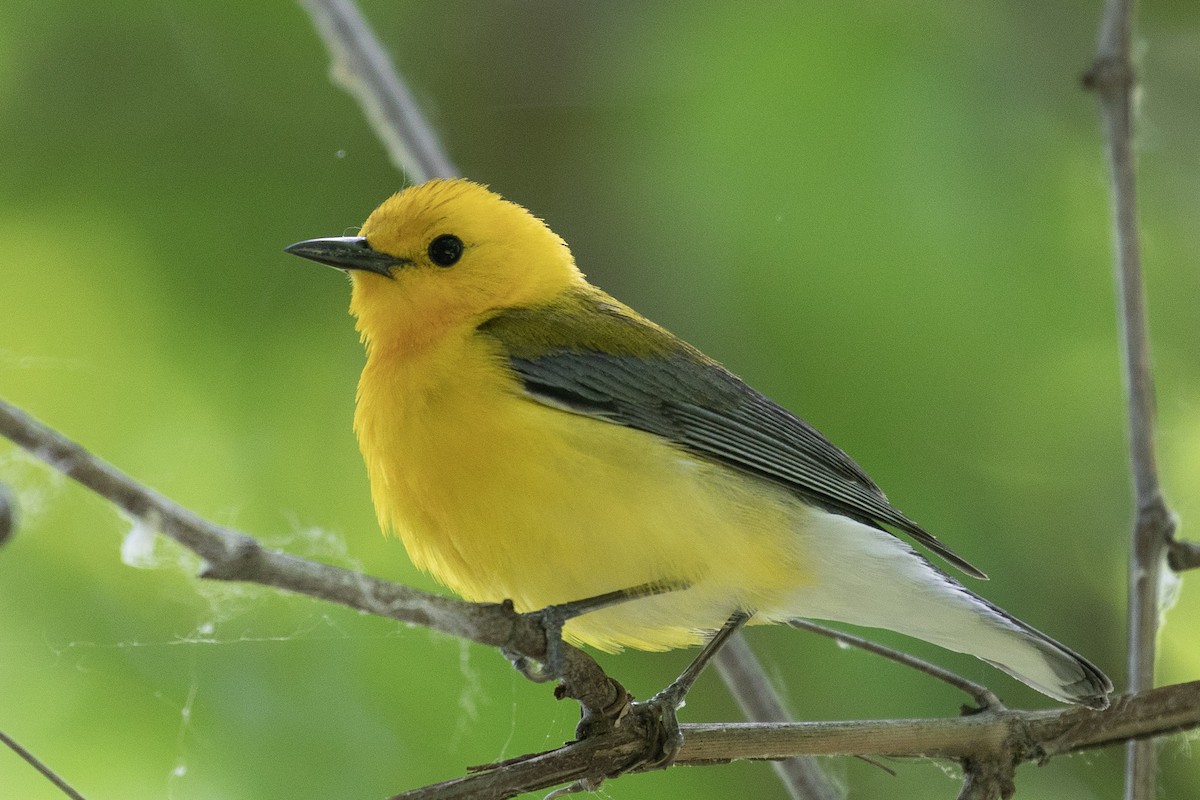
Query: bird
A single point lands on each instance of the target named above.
(531, 439)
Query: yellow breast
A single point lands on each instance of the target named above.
(501, 497)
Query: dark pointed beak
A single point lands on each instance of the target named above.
(346, 252)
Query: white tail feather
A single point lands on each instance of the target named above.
(865, 576)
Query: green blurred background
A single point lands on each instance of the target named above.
(891, 217)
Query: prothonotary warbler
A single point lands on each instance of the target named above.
(530, 438)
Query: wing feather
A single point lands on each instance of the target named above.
(593, 356)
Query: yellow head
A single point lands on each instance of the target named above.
(441, 256)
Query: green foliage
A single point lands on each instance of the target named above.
(890, 217)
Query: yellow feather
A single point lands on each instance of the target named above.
(501, 497)
(530, 438)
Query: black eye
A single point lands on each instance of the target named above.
(446, 250)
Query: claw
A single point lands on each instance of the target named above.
(663, 708)
(552, 619)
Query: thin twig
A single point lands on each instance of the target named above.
(1112, 78)
(982, 695)
(744, 675)
(37, 764)
(8, 513)
(1183, 556)
(362, 67)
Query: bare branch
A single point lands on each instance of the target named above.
(1183, 556)
(747, 681)
(1047, 733)
(233, 556)
(362, 68)
(37, 764)
(982, 695)
(1020, 735)
(625, 743)
(1113, 79)
(8, 513)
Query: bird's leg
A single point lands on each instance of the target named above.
(552, 619)
(663, 706)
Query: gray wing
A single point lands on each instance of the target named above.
(685, 397)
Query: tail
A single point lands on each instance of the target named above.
(1052, 668)
(865, 576)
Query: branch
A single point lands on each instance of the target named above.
(37, 764)
(1113, 79)
(1018, 736)
(233, 556)
(1182, 556)
(8, 513)
(998, 736)
(747, 682)
(982, 695)
(1157, 712)
(362, 68)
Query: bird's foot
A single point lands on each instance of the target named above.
(661, 711)
(660, 714)
(551, 619)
